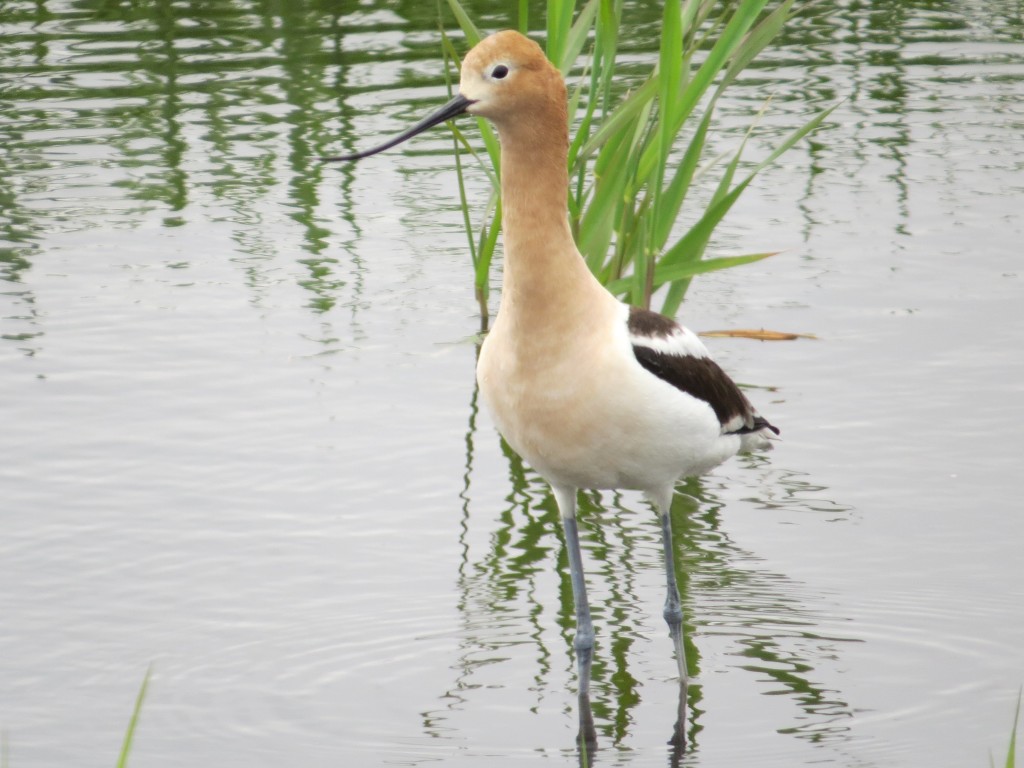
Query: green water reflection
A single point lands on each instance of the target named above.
(239, 99)
(173, 116)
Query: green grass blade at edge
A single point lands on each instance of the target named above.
(690, 269)
(488, 244)
(755, 41)
(700, 233)
(469, 29)
(621, 115)
(449, 54)
(559, 21)
(464, 143)
(793, 138)
(732, 36)
(129, 735)
(691, 246)
(578, 33)
(676, 191)
(1011, 753)
(670, 68)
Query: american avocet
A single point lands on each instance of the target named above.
(591, 392)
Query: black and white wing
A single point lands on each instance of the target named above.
(675, 354)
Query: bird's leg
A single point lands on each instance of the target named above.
(673, 606)
(674, 616)
(584, 640)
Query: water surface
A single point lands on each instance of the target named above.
(241, 440)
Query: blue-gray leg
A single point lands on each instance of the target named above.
(584, 640)
(674, 616)
(673, 606)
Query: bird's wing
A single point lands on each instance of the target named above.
(675, 355)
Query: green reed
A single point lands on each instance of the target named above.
(1011, 751)
(629, 180)
(129, 736)
(133, 723)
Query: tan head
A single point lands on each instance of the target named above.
(507, 79)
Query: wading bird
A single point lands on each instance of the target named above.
(591, 392)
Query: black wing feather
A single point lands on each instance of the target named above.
(700, 377)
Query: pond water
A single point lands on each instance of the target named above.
(240, 440)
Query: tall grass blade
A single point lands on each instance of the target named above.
(1011, 753)
(743, 17)
(667, 274)
(473, 36)
(756, 41)
(670, 84)
(463, 142)
(578, 34)
(469, 29)
(488, 244)
(129, 735)
(482, 251)
(793, 138)
(524, 16)
(620, 117)
(675, 194)
(559, 23)
(691, 246)
(449, 56)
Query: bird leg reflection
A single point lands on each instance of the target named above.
(586, 738)
(678, 740)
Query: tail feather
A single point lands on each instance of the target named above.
(758, 436)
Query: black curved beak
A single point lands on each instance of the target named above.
(453, 108)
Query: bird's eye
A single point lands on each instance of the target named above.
(499, 72)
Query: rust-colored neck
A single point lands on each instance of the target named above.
(545, 278)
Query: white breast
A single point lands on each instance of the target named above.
(584, 413)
